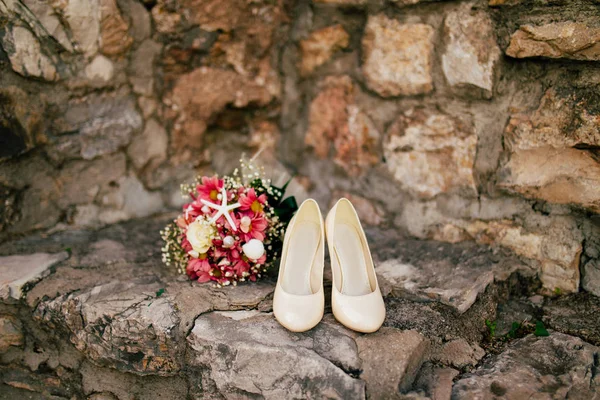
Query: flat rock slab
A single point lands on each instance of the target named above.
(577, 314)
(138, 324)
(554, 367)
(122, 325)
(248, 353)
(18, 270)
(453, 274)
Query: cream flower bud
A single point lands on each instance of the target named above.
(254, 249)
(200, 234)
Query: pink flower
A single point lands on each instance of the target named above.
(210, 188)
(241, 266)
(198, 269)
(250, 201)
(253, 227)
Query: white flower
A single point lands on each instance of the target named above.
(254, 249)
(199, 234)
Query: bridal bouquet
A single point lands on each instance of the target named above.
(231, 230)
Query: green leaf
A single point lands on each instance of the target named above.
(286, 209)
(160, 292)
(69, 250)
(540, 329)
(513, 330)
(491, 326)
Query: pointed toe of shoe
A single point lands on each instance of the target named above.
(360, 313)
(298, 313)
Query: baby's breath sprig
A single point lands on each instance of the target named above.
(173, 254)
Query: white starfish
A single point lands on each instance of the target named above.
(222, 209)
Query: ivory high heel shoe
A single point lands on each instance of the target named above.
(356, 300)
(299, 300)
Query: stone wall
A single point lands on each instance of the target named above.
(450, 120)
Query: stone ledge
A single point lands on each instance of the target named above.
(108, 319)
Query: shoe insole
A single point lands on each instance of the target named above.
(350, 253)
(301, 252)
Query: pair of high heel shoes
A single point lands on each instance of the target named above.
(299, 299)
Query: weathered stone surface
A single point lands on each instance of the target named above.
(26, 56)
(113, 385)
(391, 359)
(250, 31)
(48, 18)
(337, 122)
(573, 177)
(471, 54)
(19, 121)
(572, 40)
(150, 146)
(368, 212)
(559, 364)
(249, 352)
(82, 20)
(320, 46)
(551, 124)
(504, 2)
(550, 133)
(451, 274)
(34, 178)
(8, 207)
(141, 69)
(429, 153)
(105, 123)
(459, 353)
(203, 93)
(193, 300)
(100, 69)
(122, 325)
(397, 57)
(555, 244)
(139, 19)
(575, 314)
(515, 310)
(435, 382)
(343, 2)
(590, 280)
(552, 245)
(19, 270)
(114, 36)
(11, 333)
(166, 21)
(131, 197)
(148, 105)
(81, 181)
(404, 3)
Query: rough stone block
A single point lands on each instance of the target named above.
(471, 55)
(249, 351)
(19, 270)
(335, 121)
(572, 40)
(430, 152)
(548, 133)
(397, 58)
(320, 46)
(531, 365)
(453, 274)
(391, 360)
